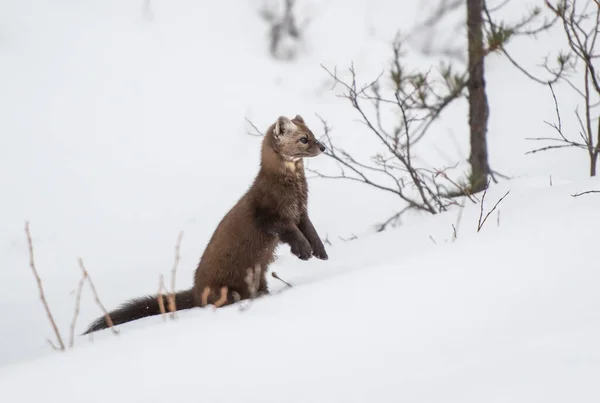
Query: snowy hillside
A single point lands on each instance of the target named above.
(506, 315)
(121, 125)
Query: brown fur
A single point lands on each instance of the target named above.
(272, 211)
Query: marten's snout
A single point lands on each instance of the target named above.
(321, 146)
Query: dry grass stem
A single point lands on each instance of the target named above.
(205, 294)
(481, 221)
(275, 275)
(77, 305)
(456, 226)
(161, 302)
(107, 317)
(171, 298)
(52, 345)
(222, 298)
(61, 345)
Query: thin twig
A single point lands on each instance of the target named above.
(61, 345)
(456, 226)
(258, 132)
(585, 193)
(392, 220)
(481, 223)
(107, 317)
(52, 345)
(275, 275)
(77, 305)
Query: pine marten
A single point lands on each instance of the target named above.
(272, 211)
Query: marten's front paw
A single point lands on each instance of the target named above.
(319, 252)
(302, 250)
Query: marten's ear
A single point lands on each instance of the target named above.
(299, 119)
(283, 126)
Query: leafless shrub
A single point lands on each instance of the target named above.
(61, 345)
(416, 101)
(580, 21)
(107, 317)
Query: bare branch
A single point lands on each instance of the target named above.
(581, 29)
(257, 132)
(392, 220)
(456, 225)
(585, 193)
(107, 317)
(410, 103)
(481, 222)
(52, 345)
(61, 345)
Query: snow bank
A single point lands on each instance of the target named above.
(505, 315)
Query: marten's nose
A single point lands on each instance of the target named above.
(321, 146)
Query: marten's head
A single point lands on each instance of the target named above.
(293, 140)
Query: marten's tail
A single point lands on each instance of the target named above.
(140, 308)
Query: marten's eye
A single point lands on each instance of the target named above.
(304, 140)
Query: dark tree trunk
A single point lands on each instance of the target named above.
(478, 104)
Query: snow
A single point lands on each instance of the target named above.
(122, 127)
